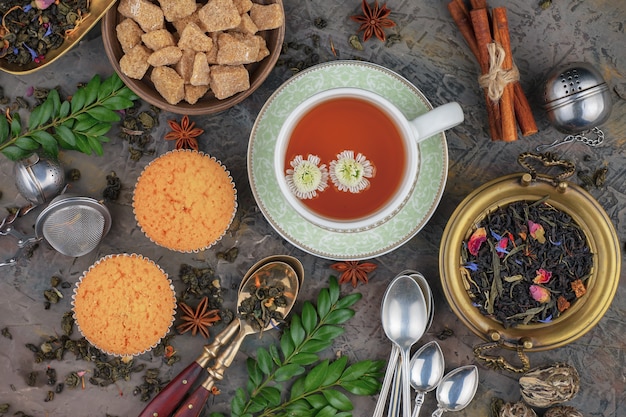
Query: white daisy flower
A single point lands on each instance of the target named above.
(349, 173)
(307, 176)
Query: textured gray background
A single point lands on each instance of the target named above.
(432, 55)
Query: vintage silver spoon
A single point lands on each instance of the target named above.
(404, 319)
(394, 405)
(427, 366)
(457, 389)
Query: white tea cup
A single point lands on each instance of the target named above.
(393, 149)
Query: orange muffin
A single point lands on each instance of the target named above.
(185, 200)
(124, 304)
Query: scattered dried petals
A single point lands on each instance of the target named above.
(536, 231)
(539, 293)
(542, 277)
(476, 240)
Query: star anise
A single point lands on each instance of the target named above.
(198, 321)
(353, 271)
(184, 134)
(374, 20)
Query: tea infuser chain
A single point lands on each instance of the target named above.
(499, 362)
(593, 142)
(548, 160)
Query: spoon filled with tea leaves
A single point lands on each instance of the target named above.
(263, 302)
(282, 273)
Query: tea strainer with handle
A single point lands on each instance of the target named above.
(72, 225)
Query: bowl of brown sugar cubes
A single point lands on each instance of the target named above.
(190, 57)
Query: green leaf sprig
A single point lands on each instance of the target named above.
(315, 393)
(77, 124)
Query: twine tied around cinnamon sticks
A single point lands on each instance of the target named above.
(507, 105)
(497, 78)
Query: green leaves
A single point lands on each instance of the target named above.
(77, 124)
(316, 384)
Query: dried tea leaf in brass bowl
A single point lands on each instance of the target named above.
(97, 9)
(140, 78)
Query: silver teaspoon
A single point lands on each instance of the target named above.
(427, 366)
(457, 389)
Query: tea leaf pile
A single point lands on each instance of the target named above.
(77, 124)
(291, 379)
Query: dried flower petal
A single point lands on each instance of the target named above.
(307, 177)
(542, 277)
(350, 173)
(501, 246)
(539, 293)
(536, 231)
(476, 240)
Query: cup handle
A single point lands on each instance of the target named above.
(437, 120)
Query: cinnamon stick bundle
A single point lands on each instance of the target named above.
(479, 31)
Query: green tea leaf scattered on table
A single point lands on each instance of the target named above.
(79, 123)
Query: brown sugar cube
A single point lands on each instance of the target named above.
(211, 56)
(168, 83)
(268, 16)
(194, 38)
(184, 67)
(169, 55)
(177, 9)
(200, 73)
(128, 34)
(243, 6)
(134, 63)
(219, 15)
(180, 24)
(263, 50)
(236, 48)
(158, 39)
(227, 80)
(149, 16)
(193, 93)
(246, 25)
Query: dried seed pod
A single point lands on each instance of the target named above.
(518, 409)
(549, 385)
(562, 411)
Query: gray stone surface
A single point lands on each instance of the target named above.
(432, 54)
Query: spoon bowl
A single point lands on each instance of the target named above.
(404, 319)
(457, 389)
(427, 367)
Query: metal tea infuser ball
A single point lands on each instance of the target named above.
(576, 100)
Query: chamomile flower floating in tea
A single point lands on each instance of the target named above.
(350, 173)
(306, 176)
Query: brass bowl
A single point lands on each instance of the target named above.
(97, 9)
(208, 104)
(569, 198)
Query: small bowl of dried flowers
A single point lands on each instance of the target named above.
(194, 58)
(35, 35)
(529, 260)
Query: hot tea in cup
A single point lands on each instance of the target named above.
(347, 159)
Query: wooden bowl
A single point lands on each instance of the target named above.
(96, 10)
(208, 104)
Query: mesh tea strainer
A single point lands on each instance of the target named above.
(72, 225)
